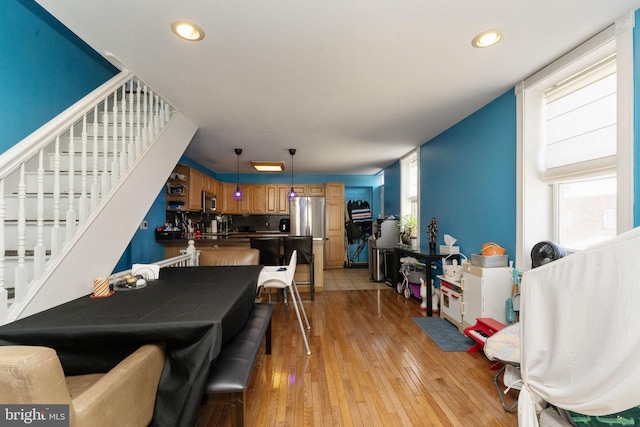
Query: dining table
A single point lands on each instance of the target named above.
(193, 310)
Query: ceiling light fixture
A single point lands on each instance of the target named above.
(486, 39)
(237, 195)
(292, 193)
(268, 166)
(187, 31)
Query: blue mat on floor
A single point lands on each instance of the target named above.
(447, 336)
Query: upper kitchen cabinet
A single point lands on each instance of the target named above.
(277, 198)
(228, 204)
(334, 190)
(259, 199)
(309, 189)
(196, 181)
(233, 206)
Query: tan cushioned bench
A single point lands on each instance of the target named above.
(230, 256)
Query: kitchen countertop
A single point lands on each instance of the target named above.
(227, 237)
(232, 237)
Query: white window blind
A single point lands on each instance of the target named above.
(581, 123)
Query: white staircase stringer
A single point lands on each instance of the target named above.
(99, 243)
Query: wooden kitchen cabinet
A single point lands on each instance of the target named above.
(277, 196)
(334, 190)
(315, 189)
(195, 189)
(258, 199)
(228, 204)
(232, 206)
(177, 189)
(283, 199)
(309, 189)
(334, 247)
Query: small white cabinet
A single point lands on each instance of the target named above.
(485, 291)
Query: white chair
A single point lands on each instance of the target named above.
(281, 278)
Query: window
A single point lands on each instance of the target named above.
(575, 145)
(409, 182)
(580, 138)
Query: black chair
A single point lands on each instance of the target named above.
(304, 246)
(269, 248)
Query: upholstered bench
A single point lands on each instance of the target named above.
(230, 256)
(231, 371)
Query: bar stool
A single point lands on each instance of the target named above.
(269, 248)
(304, 246)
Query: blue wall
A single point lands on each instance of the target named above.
(41, 59)
(467, 179)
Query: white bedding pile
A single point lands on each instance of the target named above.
(580, 331)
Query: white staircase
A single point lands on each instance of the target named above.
(73, 193)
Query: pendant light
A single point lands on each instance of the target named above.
(237, 195)
(292, 193)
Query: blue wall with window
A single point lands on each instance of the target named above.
(41, 60)
(468, 173)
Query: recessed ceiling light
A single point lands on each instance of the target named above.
(268, 166)
(187, 30)
(486, 39)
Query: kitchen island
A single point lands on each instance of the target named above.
(214, 241)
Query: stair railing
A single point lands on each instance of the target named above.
(91, 145)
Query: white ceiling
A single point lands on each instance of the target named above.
(353, 85)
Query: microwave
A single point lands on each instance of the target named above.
(208, 202)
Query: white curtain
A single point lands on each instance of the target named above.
(580, 331)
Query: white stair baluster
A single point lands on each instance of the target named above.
(145, 117)
(132, 139)
(138, 121)
(123, 133)
(105, 147)
(96, 154)
(83, 200)
(70, 225)
(20, 281)
(115, 168)
(55, 230)
(39, 251)
(151, 118)
(162, 119)
(156, 116)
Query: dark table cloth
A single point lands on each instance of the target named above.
(195, 310)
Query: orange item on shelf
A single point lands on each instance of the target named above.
(491, 249)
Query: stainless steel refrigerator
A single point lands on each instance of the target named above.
(307, 216)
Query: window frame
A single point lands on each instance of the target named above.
(534, 210)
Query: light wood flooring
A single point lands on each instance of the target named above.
(371, 365)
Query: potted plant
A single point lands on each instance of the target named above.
(407, 227)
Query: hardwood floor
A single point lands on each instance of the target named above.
(371, 365)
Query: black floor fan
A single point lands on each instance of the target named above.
(545, 252)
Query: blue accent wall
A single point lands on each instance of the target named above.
(41, 60)
(467, 179)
